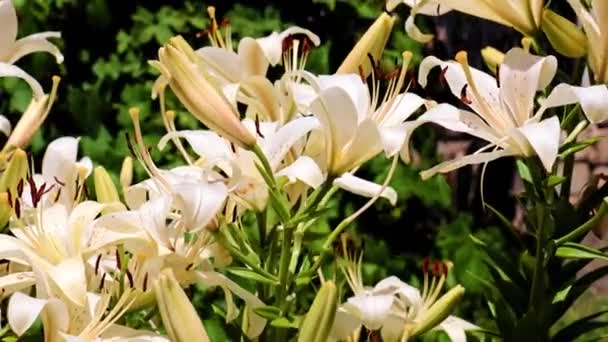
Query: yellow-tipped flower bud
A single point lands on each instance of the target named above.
(180, 319)
(371, 43)
(564, 35)
(126, 172)
(105, 190)
(33, 117)
(439, 311)
(180, 65)
(320, 318)
(16, 170)
(492, 57)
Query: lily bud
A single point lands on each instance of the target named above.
(320, 318)
(439, 311)
(32, 119)
(371, 43)
(126, 172)
(105, 190)
(16, 170)
(492, 57)
(564, 35)
(180, 319)
(180, 65)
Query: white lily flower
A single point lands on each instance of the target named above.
(594, 21)
(397, 309)
(157, 239)
(5, 125)
(94, 322)
(12, 49)
(504, 116)
(524, 16)
(246, 184)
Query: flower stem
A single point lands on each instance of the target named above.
(585, 227)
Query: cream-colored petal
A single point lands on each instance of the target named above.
(455, 328)
(59, 158)
(272, 45)
(544, 138)
(393, 138)
(365, 188)
(8, 27)
(70, 279)
(23, 310)
(223, 63)
(401, 108)
(477, 158)
(36, 42)
(252, 57)
(17, 281)
(365, 145)
(258, 93)
(199, 202)
(8, 70)
(352, 84)
(456, 79)
(521, 75)
(394, 285)
(277, 145)
(372, 310)
(206, 144)
(5, 125)
(304, 169)
(345, 323)
(593, 100)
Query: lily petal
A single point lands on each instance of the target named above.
(362, 187)
(272, 45)
(393, 284)
(199, 202)
(5, 125)
(477, 158)
(35, 43)
(521, 75)
(277, 145)
(455, 328)
(16, 281)
(8, 26)
(304, 169)
(222, 63)
(70, 278)
(9, 70)
(206, 144)
(366, 144)
(252, 57)
(593, 100)
(544, 138)
(23, 311)
(345, 324)
(371, 309)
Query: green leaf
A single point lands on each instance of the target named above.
(251, 275)
(284, 323)
(571, 250)
(524, 172)
(579, 146)
(553, 180)
(269, 312)
(579, 327)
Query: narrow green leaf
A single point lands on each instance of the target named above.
(251, 275)
(571, 250)
(524, 172)
(579, 327)
(554, 180)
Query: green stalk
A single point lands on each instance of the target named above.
(284, 266)
(585, 227)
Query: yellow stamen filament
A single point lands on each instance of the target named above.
(169, 123)
(102, 320)
(215, 36)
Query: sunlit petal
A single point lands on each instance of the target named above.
(364, 187)
(304, 169)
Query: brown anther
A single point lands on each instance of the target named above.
(437, 268)
(463, 95)
(257, 126)
(58, 181)
(20, 187)
(130, 145)
(445, 269)
(130, 278)
(442, 79)
(103, 279)
(17, 207)
(97, 261)
(372, 61)
(189, 267)
(425, 265)
(232, 147)
(225, 22)
(57, 195)
(361, 74)
(498, 76)
(33, 191)
(10, 198)
(118, 264)
(145, 282)
(391, 74)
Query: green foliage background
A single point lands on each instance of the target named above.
(107, 45)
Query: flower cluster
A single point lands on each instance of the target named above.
(273, 150)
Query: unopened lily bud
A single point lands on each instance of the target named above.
(16, 170)
(371, 43)
(180, 65)
(320, 318)
(105, 190)
(180, 319)
(439, 311)
(33, 117)
(564, 35)
(126, 172)
(492, 57)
